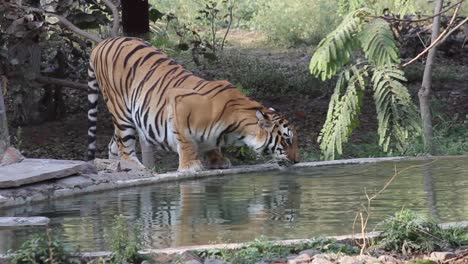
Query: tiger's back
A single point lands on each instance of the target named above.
(147, 92)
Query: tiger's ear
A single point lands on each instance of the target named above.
(263, 120)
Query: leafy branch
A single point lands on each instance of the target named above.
(396, 113)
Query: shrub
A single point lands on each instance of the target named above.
(408, 232)
(41, 249)
(124, 242)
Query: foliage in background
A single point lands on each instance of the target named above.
(42, 249)
(336, 54)
(296, 22)
(409, 233)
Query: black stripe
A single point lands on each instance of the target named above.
(130, 54)
(188, 123)
(151, 133)
(227, 87)
(128, 137)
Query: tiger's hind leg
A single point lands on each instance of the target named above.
(216, 160)
(125, 140)
(113, 148)
(147, 153)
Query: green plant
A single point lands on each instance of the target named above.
(42, 249)
(263, 250)
(257, 250)
(397, 116)
(124, 242)
(329, 245)
(409, 232)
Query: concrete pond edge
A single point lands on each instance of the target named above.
(89, 183)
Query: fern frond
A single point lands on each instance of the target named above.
(378, 43)
(343, 111)
(397, 115)
(335, 50)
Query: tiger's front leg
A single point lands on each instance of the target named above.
(189, 160)
(216, 160)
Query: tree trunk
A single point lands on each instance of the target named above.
(4, 137)
(135, 17)
(424, 93)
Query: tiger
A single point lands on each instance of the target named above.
(151, 96)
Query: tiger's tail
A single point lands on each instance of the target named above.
(93, 94)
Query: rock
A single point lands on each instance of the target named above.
(145, 262)
(293, 256)
(110, 165)
(388, 259)
(214, 261)
(310, 252)
(24, 221)
(322, 259)
(349, 260)
(363, 259)
(75, 182)
(192, 261)
(421, 261)
(301, 259)
(11, 156)
(189, 258)
(440, 256)
(164, 258)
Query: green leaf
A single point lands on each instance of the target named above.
(378, 43)
(396, 114)
(335, 50)
(343, 111)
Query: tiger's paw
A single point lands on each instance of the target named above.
(223, 163)
(192, 166)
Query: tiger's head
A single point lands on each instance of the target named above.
(275, 136)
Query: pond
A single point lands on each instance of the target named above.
(302, 203)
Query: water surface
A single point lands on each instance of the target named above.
(303, 203)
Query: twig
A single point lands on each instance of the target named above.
(422, 19)
(68, 24)
(440, 38)
(454, 29)
(365, 221)
(228, 28)
(115, 14)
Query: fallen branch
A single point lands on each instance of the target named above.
(441, 38)
(115, 14)
(61, 82)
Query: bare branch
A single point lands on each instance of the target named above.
(116, 15)
(61, 82)
(69, 25)
(441, 38)
(422, 19)
(454, 29)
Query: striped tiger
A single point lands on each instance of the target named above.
(150, 95)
